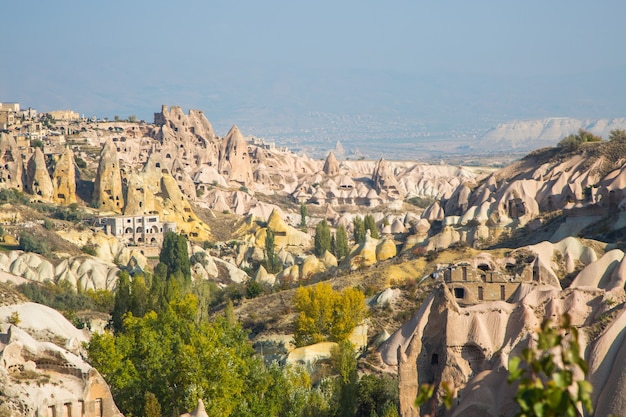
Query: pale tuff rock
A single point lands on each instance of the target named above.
(234, 161)
(11, 174)
(470, 345)
(198, 412)
(71, 386)
(331, 166)
(264, 277)
(108, 193)
(38, 180)
(82, 271)
(363, 255)
(385, 181)
(385, 250)
(234, 274)
(64, 179)
(284, 235)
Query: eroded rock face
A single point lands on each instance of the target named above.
(331, 166)
(12, 165)
(38, 180)
(108, 193)
(64, 179)
(58, 380)
(234, 161)
(471, 344)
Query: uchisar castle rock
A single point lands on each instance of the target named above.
(461, 266)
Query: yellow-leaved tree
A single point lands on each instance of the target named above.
(327, 315)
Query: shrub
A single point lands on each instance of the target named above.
(80, 162)
(573, 142)
(421, 202)
(89, 250)
(29, 243)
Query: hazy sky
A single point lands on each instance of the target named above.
(127, 57)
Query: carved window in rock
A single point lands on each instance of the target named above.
(67, 410)
(481, 294)
(52, 411)
(459, 292)
(502, 292)
(99, 410)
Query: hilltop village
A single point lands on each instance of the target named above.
(459, 265)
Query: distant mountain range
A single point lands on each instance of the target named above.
(526, 135)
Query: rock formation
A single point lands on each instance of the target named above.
(234, 161)
(469, 343)
(38, 180)
(11, 164)
(39, 377)
(64, 179)
(331, 166)
(108, 193)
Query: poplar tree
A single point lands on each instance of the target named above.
(341, 243)
(272, 262)
(322, 238)
(359, 230)
(370, 224)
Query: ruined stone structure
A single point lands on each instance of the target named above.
(471, 285)
(144, 230)
(41, 379)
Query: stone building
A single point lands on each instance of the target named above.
(142, 230)
(471, 285)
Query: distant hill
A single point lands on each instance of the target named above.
(525, 135)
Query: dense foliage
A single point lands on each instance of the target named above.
(370, 224)
(573, 141)
(165, 353)
(322, 238)
(327, 315)
(358, 230)
(341, 248)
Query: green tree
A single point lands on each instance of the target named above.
(175, 256)
(303, 214)
(29, 243)
(573, 141)
(546, 373)
(377, 395)
(341, 243)
(139, 296)
(370, 224)
(359, 230)
(122, 300)
(152, 408)
(327, 315)
(272, 263)
(345, 362)
(617, 134)
(322, 238)
(171, 359)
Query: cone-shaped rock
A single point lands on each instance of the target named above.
(234, 162)
(38, 180)
(383, 178)
(11, 175)
(64, 179)
(331, 166)
(107, 191)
